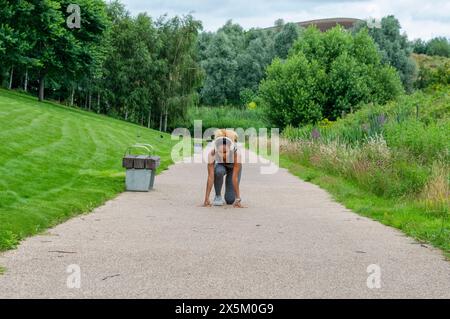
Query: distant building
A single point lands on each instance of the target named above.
(326, 24)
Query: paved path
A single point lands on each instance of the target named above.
(293, 241)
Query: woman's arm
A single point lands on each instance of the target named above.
(210, 180)
(209, 184)
(236, 170)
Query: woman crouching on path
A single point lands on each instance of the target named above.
(224, 160)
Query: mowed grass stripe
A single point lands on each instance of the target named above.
(14, 114)
(68, 160)
(33, 157)
(57, 162)
(21, 129)
(15, 119)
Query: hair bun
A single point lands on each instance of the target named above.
(232, 135)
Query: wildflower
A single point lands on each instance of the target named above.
(315, 134)
(252, 105)
(366, 127)
(381, 119)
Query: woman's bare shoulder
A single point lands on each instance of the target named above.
(211, 156)
(238, 157)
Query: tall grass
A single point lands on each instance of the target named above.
(398, 152)
(226, 117)
(418, 125)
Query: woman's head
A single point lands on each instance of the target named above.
(224, 144)
(232, 135)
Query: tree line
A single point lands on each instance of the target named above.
(438, 46)
(235, 61)
(325, 76)
(151, 71)
(131, 67)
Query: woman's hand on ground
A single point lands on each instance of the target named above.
(238, 204)
(207, 203)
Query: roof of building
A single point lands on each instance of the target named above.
(326, 24)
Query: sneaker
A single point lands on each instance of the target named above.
(218, 201)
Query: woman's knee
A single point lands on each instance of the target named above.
(230, 198)
(219, 171)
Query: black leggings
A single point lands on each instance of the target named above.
(220, 170)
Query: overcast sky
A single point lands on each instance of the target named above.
(419, 18)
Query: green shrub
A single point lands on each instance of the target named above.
(434, 71)
(326, 75)
(226, 117)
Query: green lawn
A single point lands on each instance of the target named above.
(57, 162)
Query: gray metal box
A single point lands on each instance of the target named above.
(141, 169)
(139, 180)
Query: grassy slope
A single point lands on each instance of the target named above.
(430, 62)
(56, 162)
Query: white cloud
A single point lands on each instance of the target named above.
(417, 17)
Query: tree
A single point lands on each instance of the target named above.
(151, 72)
(233, 61)
(395, 48)
(138, 69)
(182, 74)
(285, 39)
(235, 34)
(220, 68)
(434, 71)
(438, 46)
(89, 50)
(131, 67)
(326, 75)
(42, 42)
(419, 46)
(279, 23)
(15, 40)
(251, 65)
(53, 44)
(291, 91)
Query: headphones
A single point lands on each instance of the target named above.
(233, 146)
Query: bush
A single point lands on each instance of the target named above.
(439, 46)
(433, 71)
(291, 91)
(326, 75)
(394, 47)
